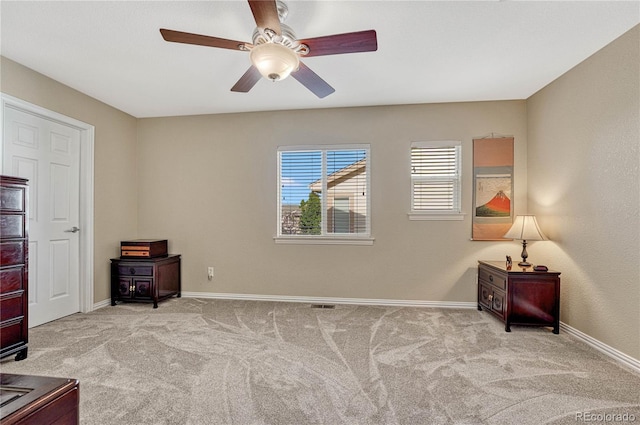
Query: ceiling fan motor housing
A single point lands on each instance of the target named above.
(276, 55)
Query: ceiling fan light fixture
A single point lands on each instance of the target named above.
(274, 61)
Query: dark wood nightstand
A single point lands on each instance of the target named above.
(145, 280)
(519, 296)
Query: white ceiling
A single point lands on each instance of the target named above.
(428, 51)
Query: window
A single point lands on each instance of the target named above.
(435, 181)
(323, 194)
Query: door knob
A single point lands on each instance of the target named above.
(74, 229)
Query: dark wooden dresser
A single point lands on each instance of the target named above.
(14, 275)
(38, 400)
(145, 279)
(519, 296)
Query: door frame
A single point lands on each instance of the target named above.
(87, 139)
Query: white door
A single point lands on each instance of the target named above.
(48, 154)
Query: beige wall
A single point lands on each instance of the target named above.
(208, 184)
(115, 204)
(584, 184)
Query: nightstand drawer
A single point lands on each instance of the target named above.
(135, 270)
(495, 279)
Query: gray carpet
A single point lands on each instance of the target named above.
(196, 361)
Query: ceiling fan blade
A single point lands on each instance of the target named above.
(201, 40)
(248, 80)
(312, 81)
(351, 42)
(265, 12)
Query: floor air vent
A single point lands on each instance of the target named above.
(323, 306)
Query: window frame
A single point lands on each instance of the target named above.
(437, 215)
(324, 238)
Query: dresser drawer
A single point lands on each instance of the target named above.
(12, 253)
(11, 279)
(12, 226)
(12, 198)
(12, 332)
(493, 278)
(11, 306)
(135, 270)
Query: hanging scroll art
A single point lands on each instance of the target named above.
(493, 188)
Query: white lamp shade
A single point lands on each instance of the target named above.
(525, 227)
(274, 61)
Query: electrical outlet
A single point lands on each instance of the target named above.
(210, 273)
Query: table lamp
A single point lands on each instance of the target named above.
(525, 228)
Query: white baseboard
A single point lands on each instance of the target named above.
(103, 303)
(616, 355)
(331, 300)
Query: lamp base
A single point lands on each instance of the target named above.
(524, 255)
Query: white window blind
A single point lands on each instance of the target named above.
(297, 171)
(323, 191)
(435, 177)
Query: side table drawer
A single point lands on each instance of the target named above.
(135, 270)
(495, 279)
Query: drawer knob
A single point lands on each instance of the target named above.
(491, 278)
(132, 270)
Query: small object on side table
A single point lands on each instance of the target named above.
(145, 279)
(519, 297)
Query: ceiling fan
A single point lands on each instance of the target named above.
(275, 51)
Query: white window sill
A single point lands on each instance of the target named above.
(323, 240)
(418, 216)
